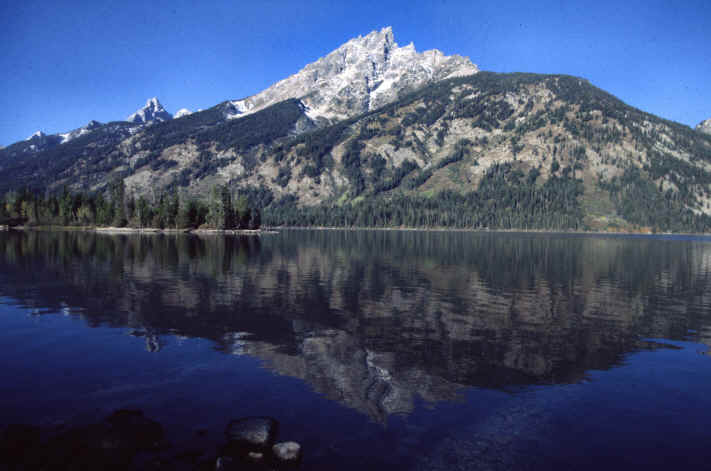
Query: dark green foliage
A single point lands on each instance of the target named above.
(351, 164)
(397, 175)
(283, 177)
(36, 170)
(378, 164)
(420, 179)
(505, 199)
(461, 151)
(641, 202)
(98, 150)
(167, 211)
(589, 115)
(257, 197)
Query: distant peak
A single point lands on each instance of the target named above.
(36, 134)
(182, 112)
(152, 111)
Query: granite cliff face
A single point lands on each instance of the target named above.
(363, 74)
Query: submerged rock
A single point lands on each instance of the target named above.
(253, 433)
(126, 440)
(287, 453)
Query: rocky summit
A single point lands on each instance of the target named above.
(152, 111)
(363, 74)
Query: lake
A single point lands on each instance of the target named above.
(373, 349)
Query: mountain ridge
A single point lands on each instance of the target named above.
(361, 75)
(480, 150)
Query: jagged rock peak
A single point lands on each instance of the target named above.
(363, 74)
(704, 126)
(152, 111)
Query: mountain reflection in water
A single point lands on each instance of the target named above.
(377, 319)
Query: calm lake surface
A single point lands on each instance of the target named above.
(374, 349)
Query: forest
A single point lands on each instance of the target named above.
(170, 210)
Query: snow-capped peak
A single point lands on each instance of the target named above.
(182, 112)
(363, 74)
(36, 134)
(152, 111)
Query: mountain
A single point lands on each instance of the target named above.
(90, 126)
(37, 142)
(182, 112)
(475, 150)
(37, 134)
(40, 142)
(704, 126)
(362, 75)
(152, 111)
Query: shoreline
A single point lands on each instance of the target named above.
(275, 230)
(143, 230)
(512, 231)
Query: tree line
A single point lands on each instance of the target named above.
(118, 208)
(506, 199)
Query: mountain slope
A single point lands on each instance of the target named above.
(488, 150)
(586, 159)
(483, 150)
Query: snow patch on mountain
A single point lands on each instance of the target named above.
(38, 134)
(363, 74)
(68, 136)
(182, 112)
(235, 109)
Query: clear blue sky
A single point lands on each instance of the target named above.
(64, 63)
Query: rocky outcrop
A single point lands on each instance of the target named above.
(90, 126)
(363, 74)
(704, 126)
(254, 433)
(251, 445)
(287, 452)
